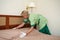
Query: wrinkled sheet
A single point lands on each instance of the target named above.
(11, 34)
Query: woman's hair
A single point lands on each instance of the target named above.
(24, 12)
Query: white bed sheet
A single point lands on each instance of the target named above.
(11, 34)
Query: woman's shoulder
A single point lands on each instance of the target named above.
(35, 14)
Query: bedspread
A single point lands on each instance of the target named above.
(11, 34)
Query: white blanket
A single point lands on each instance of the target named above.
(11, 34)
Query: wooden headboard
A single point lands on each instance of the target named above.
(10, 21)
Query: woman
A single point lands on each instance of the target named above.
(34, 19)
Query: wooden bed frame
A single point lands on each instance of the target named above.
(6, 21)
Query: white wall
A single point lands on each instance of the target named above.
(49, 8)
(12, 7)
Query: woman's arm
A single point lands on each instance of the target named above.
(30, 30)
(25, 34)
(21, 25)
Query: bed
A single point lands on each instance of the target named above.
(11, 34)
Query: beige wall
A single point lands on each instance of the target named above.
(12, 7)
(48, 8)
(51, 10)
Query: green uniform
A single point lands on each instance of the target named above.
(40, 21)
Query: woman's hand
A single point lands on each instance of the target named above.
(22, 35)
(14, 28)
(30, 30)
(21, 25)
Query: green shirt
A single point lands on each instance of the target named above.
(26, 21)
(33, 19)
(36, 19)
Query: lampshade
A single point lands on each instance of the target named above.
(31, 5)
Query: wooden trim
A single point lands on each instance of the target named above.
(7, 22)
(2, 27)
(9, 16)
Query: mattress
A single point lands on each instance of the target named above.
(11, 34)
